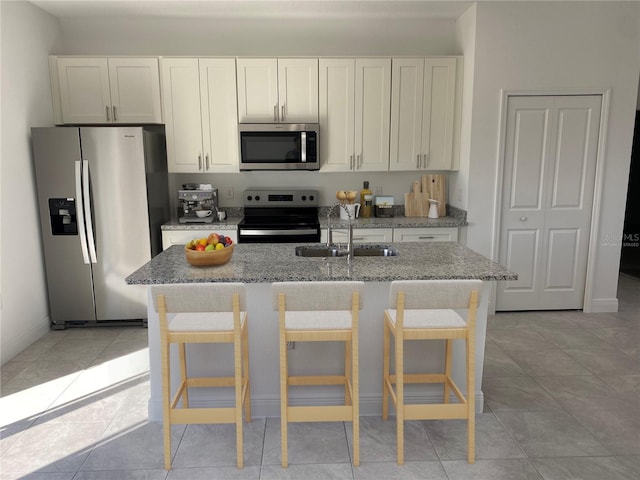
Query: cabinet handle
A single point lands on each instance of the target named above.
(199, 162)
(425, 237)
(114, 113)
(206, 161)
(358, 162)
(282, 117)
(275, 113)
(106, 109)
(350, 162)
(418, 162)
(426, 161)
(523, 219)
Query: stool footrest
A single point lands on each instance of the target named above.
(435, 411)
(337, 413)
(317, 380)
(424, 378)
(203, 415)
(211, 382)
(421, 378)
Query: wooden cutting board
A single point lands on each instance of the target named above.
(435, 187)
(416, 203)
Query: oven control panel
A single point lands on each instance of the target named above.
(280, 197)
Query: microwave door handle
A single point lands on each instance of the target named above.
(303, 147)
(80, 213)
(87, 211)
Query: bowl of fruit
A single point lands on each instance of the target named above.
(215, 249)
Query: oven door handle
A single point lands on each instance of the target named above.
(293, 232)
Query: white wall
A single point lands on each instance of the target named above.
(258, 37)
(556, 46)
(466, 40)
(28, 36)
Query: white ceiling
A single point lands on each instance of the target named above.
(255, 8)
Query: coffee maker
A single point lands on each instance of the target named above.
(194, 197)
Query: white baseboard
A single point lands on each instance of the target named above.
(602, 305)
(13, 346)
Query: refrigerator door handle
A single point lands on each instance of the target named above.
(87, 211)
(80, 213)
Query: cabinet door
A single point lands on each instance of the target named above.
(360, 235)
(298, 90)
(438, 113)
(84, 90)
(373, 108)
(337, 108)
(436, 234)
(257, 90)
(181, 100)
(135, 90)
(219, 109)
(407, 88)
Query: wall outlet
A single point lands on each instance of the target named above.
(228, 193)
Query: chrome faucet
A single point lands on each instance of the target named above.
(330, 231)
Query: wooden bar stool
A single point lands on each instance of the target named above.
(213, 313)
(424, 310)
(316, 312)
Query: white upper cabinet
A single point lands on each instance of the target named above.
(219, 108)
(354, 114)
(337, 114)
(283, 90)
(199, 98)
(422, 113)
(109, 90)
(373, 92)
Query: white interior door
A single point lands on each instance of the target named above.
(547, 197)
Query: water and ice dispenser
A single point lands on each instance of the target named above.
(62, 212)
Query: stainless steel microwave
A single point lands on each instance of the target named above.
(279, 146)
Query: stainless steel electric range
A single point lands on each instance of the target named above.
(279, 215)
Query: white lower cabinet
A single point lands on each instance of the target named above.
(431, 234)
(181, 237)
(360, 235)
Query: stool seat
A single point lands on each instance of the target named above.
(437, 318)
(203, 321)
(318, 320)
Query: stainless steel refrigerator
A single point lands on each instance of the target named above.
(103, 195)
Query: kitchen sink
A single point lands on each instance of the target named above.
(361, 250)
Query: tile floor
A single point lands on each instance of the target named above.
(562, 399)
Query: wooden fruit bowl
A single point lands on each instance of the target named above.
(204, 259)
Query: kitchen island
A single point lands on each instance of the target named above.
(258, 265)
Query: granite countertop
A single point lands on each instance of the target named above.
(394, 222)
(229, 222)
(276, 262)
